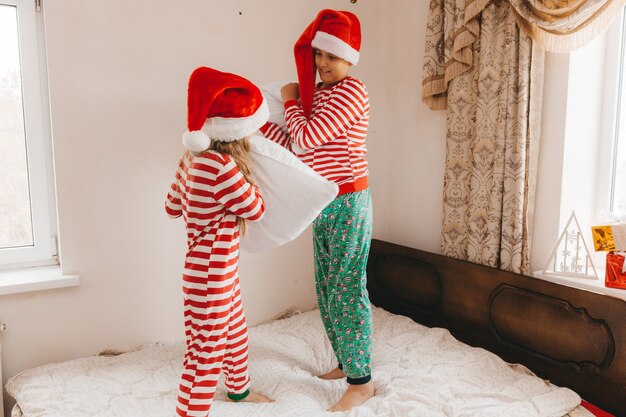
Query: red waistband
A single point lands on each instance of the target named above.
(351, 187)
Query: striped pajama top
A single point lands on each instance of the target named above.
(209, 189)
(332, 140)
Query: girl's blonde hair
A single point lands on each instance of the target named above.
(239, 150)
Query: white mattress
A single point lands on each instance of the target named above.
(417, 371)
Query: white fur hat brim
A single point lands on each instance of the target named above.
(224, 129)
(334, 45)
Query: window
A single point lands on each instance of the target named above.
(27, 235)
(617, 194)
(611, 190)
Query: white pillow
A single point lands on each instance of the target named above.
(274, 99)
(294, 195)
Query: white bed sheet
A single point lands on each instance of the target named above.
(417, 371)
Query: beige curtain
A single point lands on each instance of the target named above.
(484, 65)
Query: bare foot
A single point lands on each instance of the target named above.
(334, 374)
(253, 397)
(354, 396)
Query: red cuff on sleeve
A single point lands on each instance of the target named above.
(265, 128)
(290, 103)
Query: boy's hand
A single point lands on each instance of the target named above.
(290, 91)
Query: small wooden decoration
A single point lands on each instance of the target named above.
(570, 257)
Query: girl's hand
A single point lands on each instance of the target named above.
(290, 91)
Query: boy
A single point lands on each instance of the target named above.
(327, 131)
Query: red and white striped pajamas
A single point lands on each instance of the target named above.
(332, 140)
(210, 192)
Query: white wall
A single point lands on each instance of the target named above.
(583, 131)
(550, 168)
(576, 129)
(416, 136)
(586, 85)
(117, 73)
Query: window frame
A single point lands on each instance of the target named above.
(614, 80)
(38, 142)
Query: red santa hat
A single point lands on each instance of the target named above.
(223, 107)
(333, 31)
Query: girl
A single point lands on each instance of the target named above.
(327, 131)
(215, 194)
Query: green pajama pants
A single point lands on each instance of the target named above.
(341, 238)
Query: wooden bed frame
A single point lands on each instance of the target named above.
(573, 338)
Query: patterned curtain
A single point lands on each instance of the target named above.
(484, 65)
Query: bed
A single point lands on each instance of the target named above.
(451, 339)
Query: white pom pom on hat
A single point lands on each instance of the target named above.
(223, 107)
(196, 141)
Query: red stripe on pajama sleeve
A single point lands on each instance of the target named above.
(241, 198)
(333, 138)
(342, 110)
(274, 133)
(173, 206)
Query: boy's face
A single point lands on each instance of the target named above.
(331, 68)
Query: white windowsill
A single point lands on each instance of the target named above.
(593, 285)
(35, 279)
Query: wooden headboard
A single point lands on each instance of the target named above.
(571, 337)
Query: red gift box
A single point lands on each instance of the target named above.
(615, 274)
